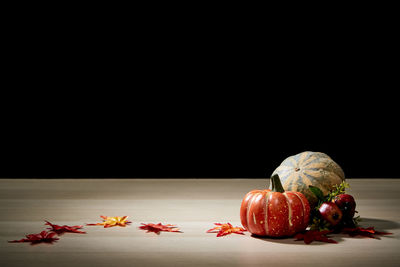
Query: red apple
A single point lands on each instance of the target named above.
(347, 205)
(331, 213)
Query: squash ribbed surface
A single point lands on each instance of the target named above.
(309, 168)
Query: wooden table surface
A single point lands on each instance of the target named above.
(194, 205)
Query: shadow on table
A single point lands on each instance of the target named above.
(379, 224)
(292, 240)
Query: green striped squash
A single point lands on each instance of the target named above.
(309, 168)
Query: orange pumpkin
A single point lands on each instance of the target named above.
(274, 213)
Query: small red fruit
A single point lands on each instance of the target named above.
(331, 213)
(347, 205)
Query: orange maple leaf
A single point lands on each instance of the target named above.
(226, 229)
(112, 221)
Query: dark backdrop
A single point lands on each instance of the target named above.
(88, 98)
(208, 135)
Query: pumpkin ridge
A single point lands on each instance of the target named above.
(285, 168)
(295, 181)
(284, 173)
(302, 158)
(304, 207)
(316, 183)
(295, 194)
(312, 161)
(245, 207)
(294, 163)
(292, 186)
(266, 212)
(321, 185)
(289, 181)
(287, 163)
(248, 210)
(319, 165)
(290, 212)
(338, 179)
(304, 177)
(312, 179)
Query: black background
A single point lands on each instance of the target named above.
(206, 136)
(88, 98)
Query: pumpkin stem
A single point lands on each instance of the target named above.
(276, 184)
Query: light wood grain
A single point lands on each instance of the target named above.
(194, 205)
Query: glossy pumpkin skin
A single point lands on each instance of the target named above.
(275, 214)
(309, 168)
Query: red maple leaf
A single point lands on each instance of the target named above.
(157, 228)
(226, 229)
(60, 229)
(367, 232)
(44, 236)
(314, 235)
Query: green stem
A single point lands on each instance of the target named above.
(276, 184)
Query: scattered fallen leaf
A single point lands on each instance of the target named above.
(314, 235)
(367, 232)
(157, 228)
(60, 229)
(44, 236)
(226, 229)
(112, 221)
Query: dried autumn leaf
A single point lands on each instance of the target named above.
(314, 235)
(44, 236)
(360, 231)
(60, 229)
(157, 228)
(112, 221)
(226, 229)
